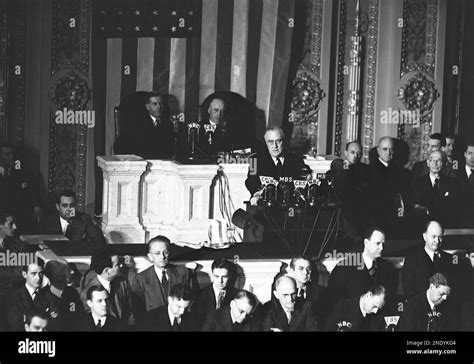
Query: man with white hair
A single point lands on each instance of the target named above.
(284, 313)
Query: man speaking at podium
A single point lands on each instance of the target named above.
(275, 162)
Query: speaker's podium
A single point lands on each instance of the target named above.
(294, 217)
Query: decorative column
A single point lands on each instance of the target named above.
(353, 115)
(121, 198)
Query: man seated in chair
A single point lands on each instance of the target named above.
(150, 133)
(71, 223)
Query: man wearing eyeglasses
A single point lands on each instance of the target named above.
(152, 286)
(275, 162)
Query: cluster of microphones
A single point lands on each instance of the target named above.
(287, 192)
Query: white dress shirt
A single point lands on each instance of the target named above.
(64, 225)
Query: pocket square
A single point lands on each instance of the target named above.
(446, 194)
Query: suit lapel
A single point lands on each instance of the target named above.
(155, 287)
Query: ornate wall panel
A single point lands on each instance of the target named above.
(17, 73)
(369, 110)
(69, 91)
(307, 92)
(418, 91)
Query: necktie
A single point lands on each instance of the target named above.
(164, 283)
(99, 324)
(301, 292)
(220, 299)
(373, 269)
(288, 315)
(436, 257)
(279, 168)
(176, 325)
(35, 293)
(471, 177)
(436, 185)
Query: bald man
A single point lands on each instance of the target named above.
(429, 259)
(436, 195)
(284, 313)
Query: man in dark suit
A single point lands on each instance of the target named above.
(351, 185)
(150, 133)
(151, 287)
(307, 290)
(428, 311)
(30, 297)
(359, 313)
(11, 277)
(420, 265)
(105, 266)
(437, 142)
(466, 321)
(220, 292)
(71, 223)
(465, 177)
(234, 317)
(353, 277)
(274, 162)
(19, 190)
(284, 313)
(99, 318)
(66, 297)
(389, 187)
(436, 195)
(174, 316)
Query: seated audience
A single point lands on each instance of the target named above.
(429, 259)
(105, 265)
(437, 142)
(30, 297)
(219, 293)
(152, 286)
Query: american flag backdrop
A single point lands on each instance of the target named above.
(190, 49)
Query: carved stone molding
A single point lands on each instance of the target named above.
(341, 51)
(307, 96)
(70, 88)
(369, 112)
(418, 93)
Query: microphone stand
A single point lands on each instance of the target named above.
(210, 129)
(193, 136)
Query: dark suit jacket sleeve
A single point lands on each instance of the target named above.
(93, 233)
(14, 313)
(311, 323)
(408, 277)
(253, 180)
(336, 286)
(408, 317)
(209, 322)
(333, 318)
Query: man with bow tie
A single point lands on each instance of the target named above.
(429, 259)
(220, 292)
(71, 223)
(428, 311)
(435, 195)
